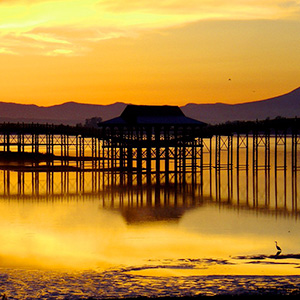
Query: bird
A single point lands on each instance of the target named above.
(278, 249)
(4, 297)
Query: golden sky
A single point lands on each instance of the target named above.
(148, 51)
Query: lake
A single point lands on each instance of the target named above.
(100, 234)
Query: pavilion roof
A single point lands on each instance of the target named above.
(152, 115)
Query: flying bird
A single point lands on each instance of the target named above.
(278, 249)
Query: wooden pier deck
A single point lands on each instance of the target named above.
(170, 149)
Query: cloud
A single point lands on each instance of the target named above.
(203, 9)
(38, 26)
(7, 51)
(60, 52)
(45, 38)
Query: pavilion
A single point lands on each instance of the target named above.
(143, 137)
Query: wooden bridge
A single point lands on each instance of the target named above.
(233, 161)
(175, 146)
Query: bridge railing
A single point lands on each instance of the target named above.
(35, 128)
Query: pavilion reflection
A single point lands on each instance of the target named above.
(153, 202)
(139, 199)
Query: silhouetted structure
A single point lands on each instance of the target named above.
(158, 140)
(143, 137)
(146, 115)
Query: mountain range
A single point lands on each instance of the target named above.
(71, 113)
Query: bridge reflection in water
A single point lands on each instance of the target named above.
(162, 167)
(265, 190)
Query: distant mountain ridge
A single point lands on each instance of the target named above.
(72, 113)
(69, 113)
(287, 105)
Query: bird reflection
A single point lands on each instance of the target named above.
(278, 249)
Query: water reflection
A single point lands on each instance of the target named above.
(273, 191)
(103, 219)
(223, 220)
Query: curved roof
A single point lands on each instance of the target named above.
(149, 114)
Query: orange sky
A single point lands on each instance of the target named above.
(148, 51)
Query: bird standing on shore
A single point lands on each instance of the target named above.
(278, 249)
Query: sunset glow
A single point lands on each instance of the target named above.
(154, 52)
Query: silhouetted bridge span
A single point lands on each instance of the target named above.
(169, 147)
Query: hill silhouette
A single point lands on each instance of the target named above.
(72, 113)
(287, 105)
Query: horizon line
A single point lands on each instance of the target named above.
(121, 102)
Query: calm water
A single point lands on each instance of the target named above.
(92, 234)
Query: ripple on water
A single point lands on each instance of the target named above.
(117, 283)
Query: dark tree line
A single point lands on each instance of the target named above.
(279, 124)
